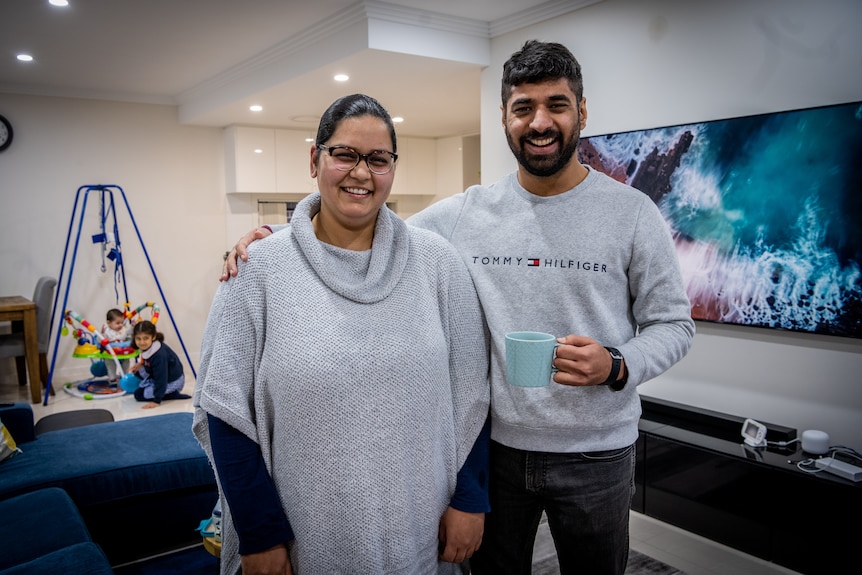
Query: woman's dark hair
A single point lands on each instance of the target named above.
(539, 62)
(353, 106)
(148, 328)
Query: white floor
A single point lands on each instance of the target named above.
(694, 554)
(123, 407)
(681, 549)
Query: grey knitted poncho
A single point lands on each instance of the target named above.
(363, 378)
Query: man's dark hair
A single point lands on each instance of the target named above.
(353, 106)
(539, 62)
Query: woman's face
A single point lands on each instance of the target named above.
(352, 199)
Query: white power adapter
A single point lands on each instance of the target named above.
(815, 442)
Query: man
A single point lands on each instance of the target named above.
(560, 248)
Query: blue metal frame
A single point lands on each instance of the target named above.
(82, 195)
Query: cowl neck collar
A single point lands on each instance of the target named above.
(344, 271)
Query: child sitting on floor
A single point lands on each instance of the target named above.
(159, 367)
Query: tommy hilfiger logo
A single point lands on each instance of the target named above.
(540, 263)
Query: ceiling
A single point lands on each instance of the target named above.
(214, 58)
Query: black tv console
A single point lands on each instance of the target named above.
(695, 472)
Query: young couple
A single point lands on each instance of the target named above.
(345, 409)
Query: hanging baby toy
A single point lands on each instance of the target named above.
(130, 315)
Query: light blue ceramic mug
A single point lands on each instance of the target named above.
(530, 358)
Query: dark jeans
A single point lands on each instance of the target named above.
(586, 497)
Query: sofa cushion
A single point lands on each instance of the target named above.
(78, 559)
(106, 462)
(38, 523)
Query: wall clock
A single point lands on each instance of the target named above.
(5, 133)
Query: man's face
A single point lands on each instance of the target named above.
(543, 124)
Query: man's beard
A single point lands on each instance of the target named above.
(544, 165)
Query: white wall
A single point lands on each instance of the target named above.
(173, 177)
(666, 62)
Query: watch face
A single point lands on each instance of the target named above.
(5, 133)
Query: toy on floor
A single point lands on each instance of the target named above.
(130, 382)
(93, 389)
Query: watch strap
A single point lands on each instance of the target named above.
(616, 365)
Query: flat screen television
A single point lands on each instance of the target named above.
(765, 211)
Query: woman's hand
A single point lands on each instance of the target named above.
(460, 534)
(273, 561)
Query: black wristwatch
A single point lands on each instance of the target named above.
(611, 381)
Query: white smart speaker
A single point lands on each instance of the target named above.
(815, 442)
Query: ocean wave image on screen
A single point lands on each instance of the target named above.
(766, 212)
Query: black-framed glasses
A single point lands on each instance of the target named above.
(346, 158)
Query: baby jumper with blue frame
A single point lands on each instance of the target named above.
(109, 238)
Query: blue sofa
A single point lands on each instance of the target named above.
(142, 486)
(42, 533)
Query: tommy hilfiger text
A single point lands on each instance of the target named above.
(540, 262)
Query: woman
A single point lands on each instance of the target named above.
(343, 389)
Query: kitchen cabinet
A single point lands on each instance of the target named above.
(267, 161)
(249, 160)
(293, 163)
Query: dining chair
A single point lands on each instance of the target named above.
(12, 344)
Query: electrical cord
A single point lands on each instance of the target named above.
(846, 452)
(782, 443)
(843, 449)
(808, 465)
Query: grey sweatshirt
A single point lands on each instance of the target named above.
(597, 261)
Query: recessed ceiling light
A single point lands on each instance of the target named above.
(309, 140)
(397, 119)
(58, 2)
(25, 57)
(255, 108)
(341, 77)
(258, 151)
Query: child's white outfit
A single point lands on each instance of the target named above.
(113, 337)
